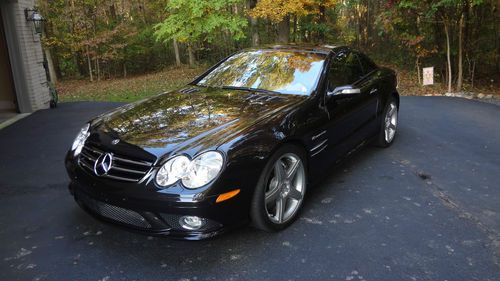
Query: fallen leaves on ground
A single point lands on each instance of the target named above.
(127, 89)
(134, 88)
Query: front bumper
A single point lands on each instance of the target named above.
(142, 208)
(146, 222)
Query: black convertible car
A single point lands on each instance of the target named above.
(243, 142)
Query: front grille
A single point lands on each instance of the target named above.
(123, 168)
(115, 213)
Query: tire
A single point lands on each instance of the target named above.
(289, 188)
(388, 124)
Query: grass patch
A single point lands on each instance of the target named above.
(410, 86)
(128, 89)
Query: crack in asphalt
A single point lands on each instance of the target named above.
(424, 176)
(437, 191)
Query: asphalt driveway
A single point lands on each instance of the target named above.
(428, 208)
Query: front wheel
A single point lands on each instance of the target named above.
(389, 124)
(281, 189)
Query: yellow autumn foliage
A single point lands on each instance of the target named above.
(276, 10)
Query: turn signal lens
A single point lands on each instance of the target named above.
(227, 195)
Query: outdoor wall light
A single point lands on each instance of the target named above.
(34, 16)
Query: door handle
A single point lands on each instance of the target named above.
(373, 91)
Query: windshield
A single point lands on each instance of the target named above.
(285, 72)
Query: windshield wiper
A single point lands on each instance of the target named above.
(248, 89)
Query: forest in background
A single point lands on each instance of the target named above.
(106, 39)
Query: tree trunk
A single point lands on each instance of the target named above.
(57, 68)
(322, 21)
(144, 12)
(471, 63)
(98, 69)
(254, 28)
(89, 63)
(473, 73)
(295, 37)
(460, 54)
(50, 64)
(177, 56)
(78, 59)
(370, 18)
(358, 28)
(417, 63)
(284, 30)
(191, 55)
(255, 32)
(448, 54)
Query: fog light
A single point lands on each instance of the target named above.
(191, 222)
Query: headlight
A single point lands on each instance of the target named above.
(204, 168)
(172, 171)
(80, 139)
(193, 174)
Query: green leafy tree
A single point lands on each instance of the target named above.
(191, 20)
(450, 14)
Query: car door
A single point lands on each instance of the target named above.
(370, 87)
(349, 114)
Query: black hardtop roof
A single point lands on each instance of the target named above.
(323, 49)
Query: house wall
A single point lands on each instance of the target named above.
(26, 56)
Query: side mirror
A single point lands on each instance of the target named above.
(344, 91)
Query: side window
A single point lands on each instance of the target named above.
(367, 64)
(337, 74)
(354, 70)
(345, 69)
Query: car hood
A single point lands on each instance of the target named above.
(192, 118)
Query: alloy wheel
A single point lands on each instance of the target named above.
(391, 122)
(285, 189)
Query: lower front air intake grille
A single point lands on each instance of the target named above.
(115, 213)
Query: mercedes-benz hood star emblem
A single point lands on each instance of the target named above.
(103, 164)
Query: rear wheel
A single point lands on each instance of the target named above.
(281, 189)
(389, 124)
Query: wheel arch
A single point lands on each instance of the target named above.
(395, 95)
(295, 142)
(256, 205)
